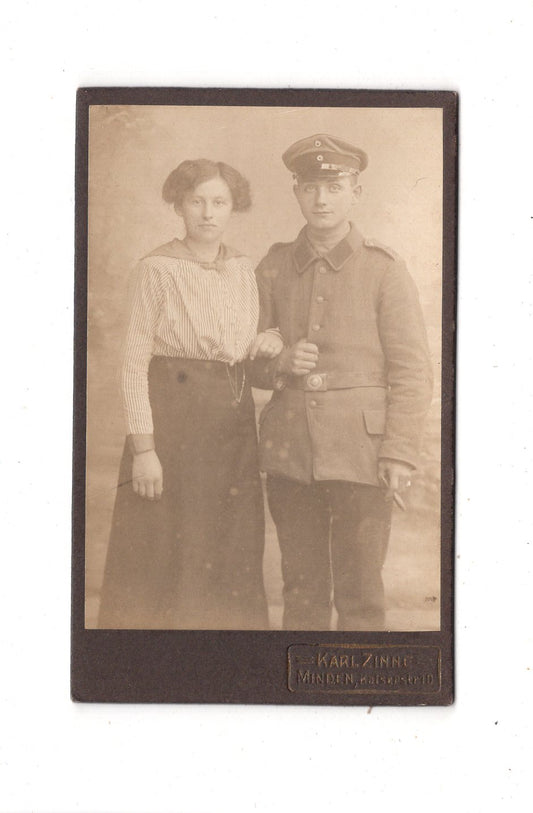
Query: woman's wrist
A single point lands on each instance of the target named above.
(141, 443)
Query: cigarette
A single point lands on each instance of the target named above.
(398, 500)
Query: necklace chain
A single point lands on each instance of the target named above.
(234, 382)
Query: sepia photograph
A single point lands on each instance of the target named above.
(266, 468)
(264, 367)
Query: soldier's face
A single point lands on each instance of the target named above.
(206, 210)
(326, 204)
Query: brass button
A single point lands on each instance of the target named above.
(320, 299)
(313, 403)
(321, 269)
(314, 381)
(315, 327)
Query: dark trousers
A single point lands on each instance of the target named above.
(333, 538)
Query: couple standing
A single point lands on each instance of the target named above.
(342, 345)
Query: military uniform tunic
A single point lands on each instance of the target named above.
(369, 393)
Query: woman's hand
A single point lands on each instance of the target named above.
(147, 475)
(299, 359)
(266, 345)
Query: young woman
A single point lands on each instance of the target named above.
(187, 537)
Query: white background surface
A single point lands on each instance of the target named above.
(475, 756)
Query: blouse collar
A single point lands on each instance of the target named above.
(180, 251)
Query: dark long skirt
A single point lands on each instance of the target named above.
(193, 559)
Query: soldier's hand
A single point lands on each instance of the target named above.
(147, 475)
(394, 475)
(299, 359)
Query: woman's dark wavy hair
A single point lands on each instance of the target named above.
(191, 173)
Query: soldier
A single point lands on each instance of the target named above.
(340, 436)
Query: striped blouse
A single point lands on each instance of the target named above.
(185, 308)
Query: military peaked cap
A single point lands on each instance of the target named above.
(324, 156)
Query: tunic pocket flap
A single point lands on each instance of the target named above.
(374, 421)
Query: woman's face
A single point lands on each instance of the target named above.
(206, 210)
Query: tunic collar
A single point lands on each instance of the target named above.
(304, 253)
